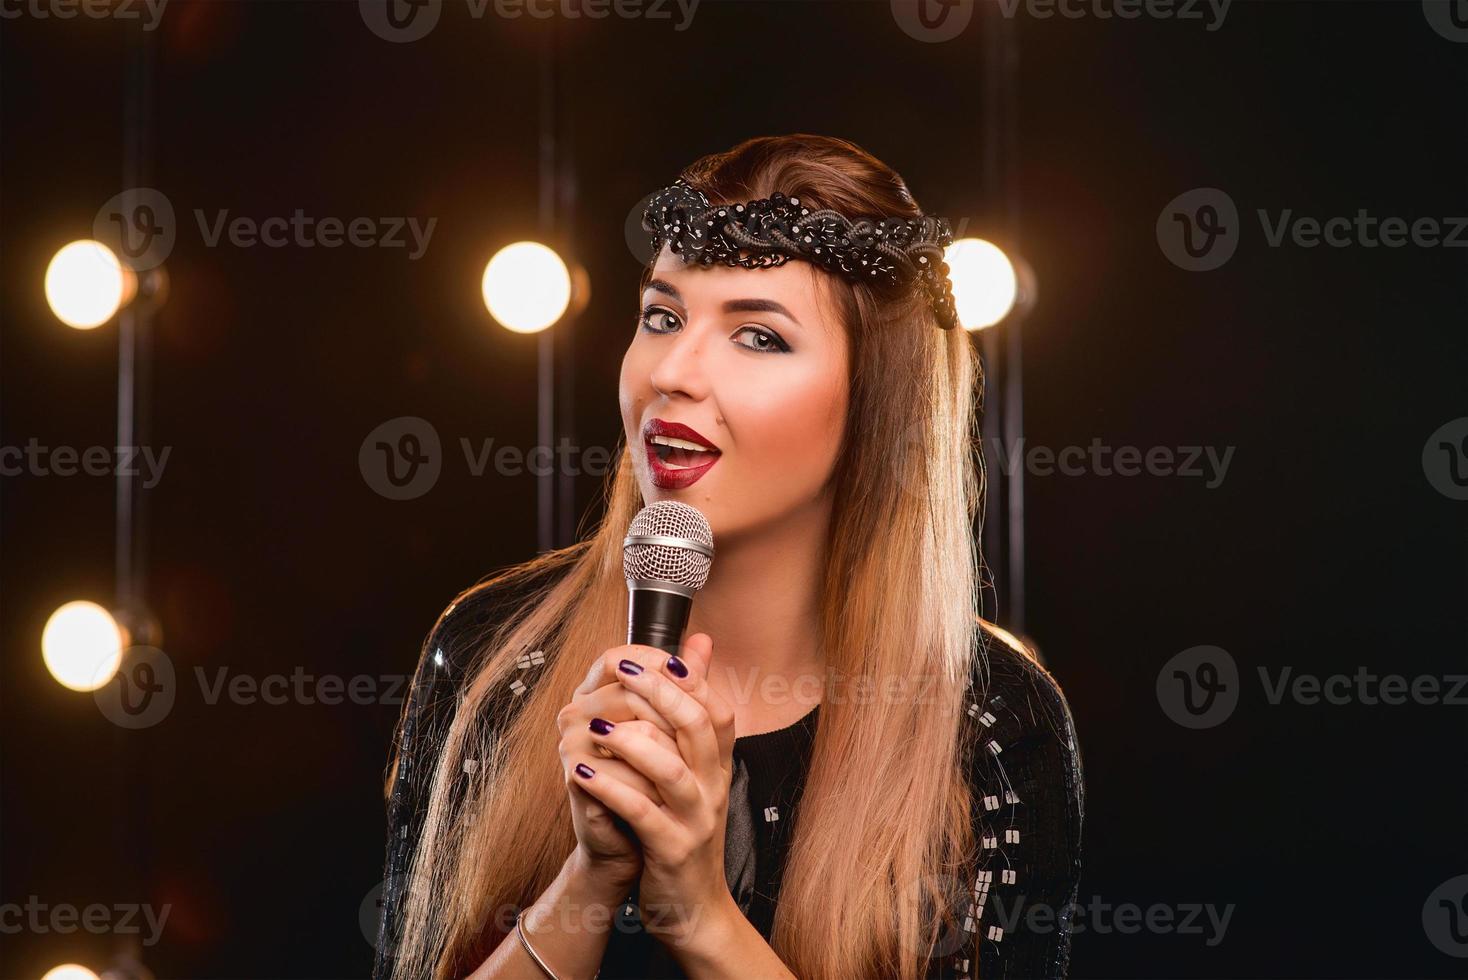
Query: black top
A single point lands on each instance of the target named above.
(1025, 771)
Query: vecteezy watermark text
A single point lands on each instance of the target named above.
(34, 459)
(309, 232)
(124, 918)
(402, 458)
(1015, 913)
(1201, 686)
(141, 225)
(404, 21)
(95, 9)
(1098, 459)
(1122, 10)
(1199, 230)
(935, 21)
(143, 690)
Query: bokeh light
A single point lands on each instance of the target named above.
(86, 284)
(526, 287)
(985, 285)
(82, 645)
(69, 971)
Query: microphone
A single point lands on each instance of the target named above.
(666, 557)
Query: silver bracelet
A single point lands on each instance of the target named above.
(533, 954)
(536, 956)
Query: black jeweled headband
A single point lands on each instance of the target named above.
(888, 252)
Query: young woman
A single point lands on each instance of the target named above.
(846, 773)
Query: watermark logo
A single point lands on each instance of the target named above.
(1014, 913)
(1199, 229)
(1445, 917)
(401, 458)
(404, 21)
(139, 225)
(1199, 687)
(369, 913)
(1445, 459)
(150, 12)
(933, 21)
(1448, 17)
(145, 688)
(639, 242)
(400, 21)
(142, 692)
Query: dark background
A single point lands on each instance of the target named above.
(1325, 548)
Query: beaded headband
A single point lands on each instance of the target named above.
(888, 253)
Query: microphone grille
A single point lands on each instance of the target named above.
(684, 561)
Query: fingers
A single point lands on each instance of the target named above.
(696, 657)
(655, 756)
(579, 750)
(697, 739)
(604, 669)
(646, 818)
(616, 704)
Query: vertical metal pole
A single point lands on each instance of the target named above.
(566, 361)
(545, 403)
(134, 326)
(994, 452)
(1014, 325)
(995, 433)
(1005, 353)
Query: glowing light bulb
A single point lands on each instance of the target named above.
(69, 971)
(82, 646)
(526, 287)
(86, 284)
(985, 285)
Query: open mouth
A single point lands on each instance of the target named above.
(677, 455)
(681, 454)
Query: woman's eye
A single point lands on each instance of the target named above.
(655, 315)
(765, 340)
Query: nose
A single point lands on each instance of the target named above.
(681, 368)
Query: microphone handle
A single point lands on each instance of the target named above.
(657, 618)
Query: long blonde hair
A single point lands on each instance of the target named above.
(862, 892)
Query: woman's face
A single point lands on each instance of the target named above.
(754, 361)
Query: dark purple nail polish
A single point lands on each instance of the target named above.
(601, 726)
(630, 667)
(678, 667)
(584, 771)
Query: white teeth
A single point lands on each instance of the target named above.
(679, 444)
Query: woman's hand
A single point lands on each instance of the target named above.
(676, 799)
(605, 851)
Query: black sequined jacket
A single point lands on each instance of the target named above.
(1024, 769)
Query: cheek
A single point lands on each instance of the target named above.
(794, 431)
(632, 391)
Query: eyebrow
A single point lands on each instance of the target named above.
(730, 306)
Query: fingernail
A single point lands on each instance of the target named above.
(584, 771)
(678, 667)
(601, 726)
(630, 667)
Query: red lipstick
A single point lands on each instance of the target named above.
(679, 469)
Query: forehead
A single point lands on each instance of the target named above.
(797, 285)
